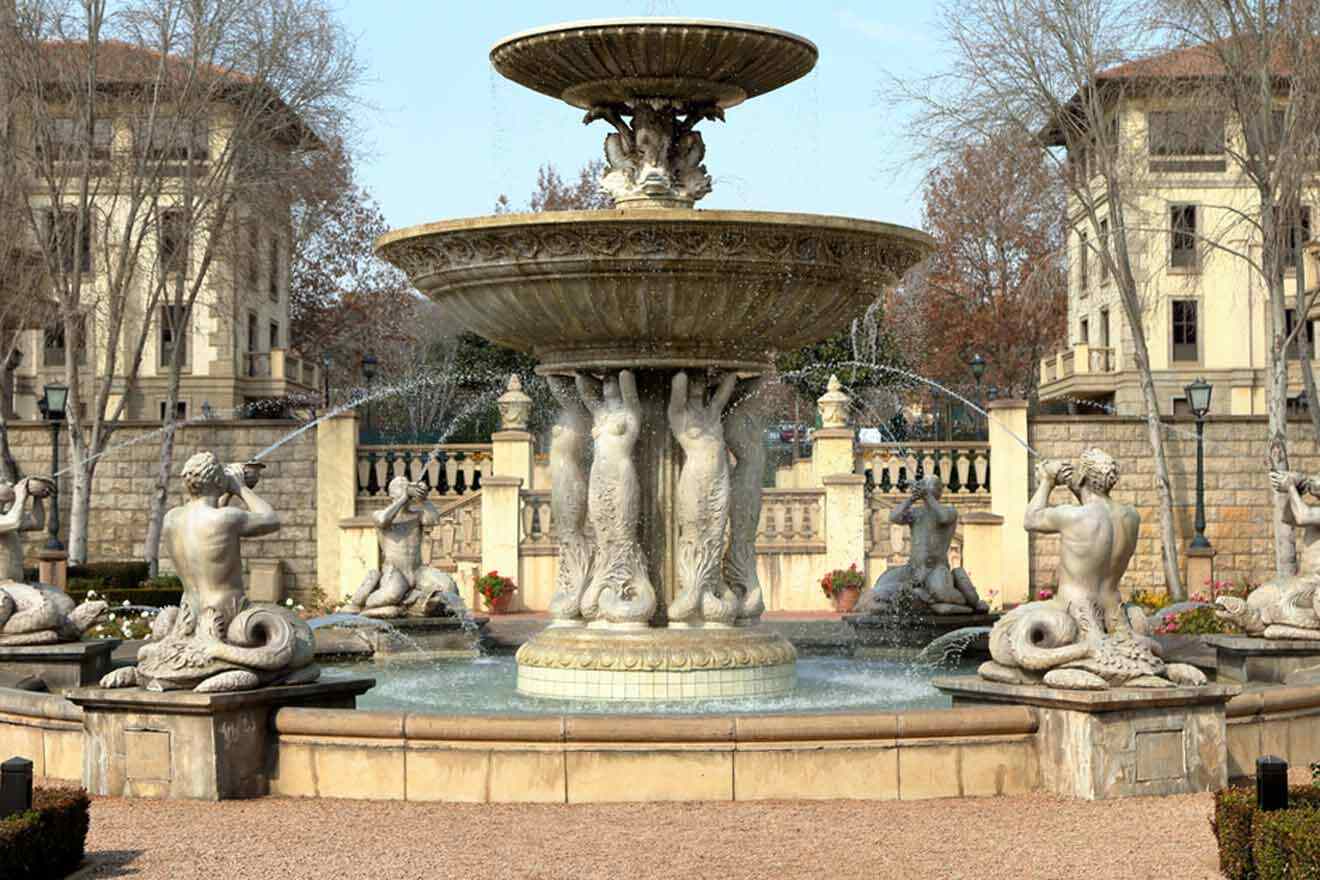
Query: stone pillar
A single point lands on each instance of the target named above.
(53, 567)
(1200, 568)
(832, 443)
(500, 515)
(1010, 489)
(511, 446)
(982, 554)
(336, 494)
(845, 521)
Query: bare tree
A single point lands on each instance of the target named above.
(1025, 69)
(1256, 61)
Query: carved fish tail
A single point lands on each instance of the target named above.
(634, 601)
(1037, 636)
(572, 580)
(266, 638)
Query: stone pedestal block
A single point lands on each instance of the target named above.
(1243, 659)
(266, 581)
(1123, 742)
(1200, 565)
(182, 744)
(53, 568)
(67, 665)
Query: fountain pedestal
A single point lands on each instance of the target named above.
(1121, 742)
(60, 666)
(1243, 659)
(184, 744)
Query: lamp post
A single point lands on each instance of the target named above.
(326, 363)
(54, 398)
(369, 363)
(978, 370)
(1198, 398)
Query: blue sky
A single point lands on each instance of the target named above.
(446, 135)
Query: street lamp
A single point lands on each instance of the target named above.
(53, 401)
(978, 370)
(1198, 398)
(326, 363)
(369, 363)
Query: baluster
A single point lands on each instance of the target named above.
(527, 519)
(945, 466)
(476, 477)
(964, 471)
(426, 474)
(547, 520)
(460, 477)
(373, 481)
(770, 515)
(407, 464)
(808, 529)
(889, 474)
(389, 468)
(928, 463)
(442, 472)
(357, 472)
(982, 471)
(762, 522)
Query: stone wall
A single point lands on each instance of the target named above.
(1238, 499)
(125, 477)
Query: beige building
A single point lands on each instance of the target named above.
(236, 352)
(1205, 310)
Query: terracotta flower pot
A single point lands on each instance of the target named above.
(845, 599)
(500, 604)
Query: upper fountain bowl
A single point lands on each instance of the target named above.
(595, 290)
(620, 60)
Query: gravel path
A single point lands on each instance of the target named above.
(1000, 838)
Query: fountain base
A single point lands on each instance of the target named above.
(659, 665)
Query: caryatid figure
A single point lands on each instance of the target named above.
(701, 502)
(570, 446)
(743, 431)
(620, 591)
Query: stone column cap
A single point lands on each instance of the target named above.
(1120, 699)
(982, 518)
(1007, 403)
(832, 434)
(496, 481)
(1207, 552)
(844, 480)
(52, 555)
(511, 434)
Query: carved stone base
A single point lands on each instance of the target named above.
(61, 666)
(183, 744)
(1243, 659)
(655, 665)
(1123, 742)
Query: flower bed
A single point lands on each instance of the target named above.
(1265, 846)
(47, 841)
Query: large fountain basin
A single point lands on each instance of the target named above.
(586, 290)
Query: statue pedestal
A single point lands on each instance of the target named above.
(1243, 659)
(62, 666)
(182, 744)
(1123, 742)
(878, 633)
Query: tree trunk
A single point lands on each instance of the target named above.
(1285, 548)
(160, 493)
(1155, 434)
(1304, 353)
(9, 470)
(80, 511)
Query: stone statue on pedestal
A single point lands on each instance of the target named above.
(620, 591)
(1081, 638)
(33, 614)
(570, 446)
(404, 586)
(701, 501)
(217, 640)
(1285, 607)
(925, 582)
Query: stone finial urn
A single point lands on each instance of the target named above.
(515, 406)
(833, 405)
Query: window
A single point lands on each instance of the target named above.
(1183, 253)
(180, 410)
(169, 139)
(1104, 328)
(71, 245)
(253, 255)
(172, 242)
(1185, 331)
(173, 325)
(275, 263)
(1084, 332)
(1185, 133)
(55, 347)
(274, 335)
(1289, 322)
(1297, 235)
(64, 140)
(1084, 261)
(252, 332)
(1104, 243)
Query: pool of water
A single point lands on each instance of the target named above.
(486, 686)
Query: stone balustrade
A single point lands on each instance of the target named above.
(891, 467)
(792, 521)
(451, 471)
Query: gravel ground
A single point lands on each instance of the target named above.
(1001, 838)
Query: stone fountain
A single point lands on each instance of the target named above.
(653, 324)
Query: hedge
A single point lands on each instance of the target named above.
(47, 841)
(116, 575)
(160, 593)
(1239, 828)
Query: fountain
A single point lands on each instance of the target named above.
(653, 322)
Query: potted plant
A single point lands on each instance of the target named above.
(497, 590)
(844, 586)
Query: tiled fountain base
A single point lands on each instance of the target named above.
(656, 664)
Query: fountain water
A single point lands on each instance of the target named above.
(660, 315)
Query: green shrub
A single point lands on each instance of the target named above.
(47, 841)
(120, 575)
(1286, 844)
(1234, 820)
(156, 593)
